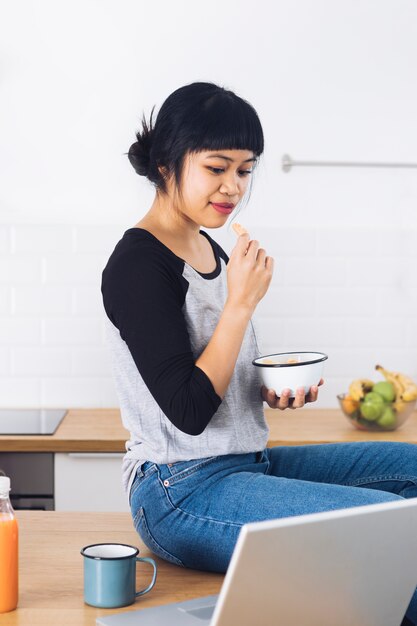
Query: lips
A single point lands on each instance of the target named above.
(225, 205)
(225, 208)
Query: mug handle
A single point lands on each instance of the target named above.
(151, 584)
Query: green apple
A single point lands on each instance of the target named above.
(387, 419)
(385, 389)
(374, 397)
(372, 406)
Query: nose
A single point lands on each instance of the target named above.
(231, 185)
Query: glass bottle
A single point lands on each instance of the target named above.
(8, 550)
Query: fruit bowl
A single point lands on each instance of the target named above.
(393, 414)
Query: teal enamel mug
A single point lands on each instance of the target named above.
(110, 574)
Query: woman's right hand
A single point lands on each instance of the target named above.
(249, 273)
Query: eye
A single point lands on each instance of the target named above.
(217, 170)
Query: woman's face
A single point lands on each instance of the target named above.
(209, 177)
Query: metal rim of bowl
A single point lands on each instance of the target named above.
(265, 356)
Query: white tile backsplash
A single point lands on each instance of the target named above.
(70, 331)
(20, 331)
(346, 302)
(5, 299)
(291, 301)
(316, 332)
(87, 300)
(409, 277)
(24, 269)
(41, 360)
(73, 269)
(42, 239)
(43, 300)
(270, 334)
(108, 396)
(374, 272)
(74, 392)
(351, 293)
(101, 239)
(376, 333)
(411, 334)
(284, 242)
(5, 240)
(91, 362)
(349, 242)
(5, 368)
(19, 391)
(307, 271)
(400, 302)
(398, 243)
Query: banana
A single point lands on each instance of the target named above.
(399, 405)
(391, 378)
(410, 393)
(359, 387)
(405, 387)
(406, 380)
(410, 388)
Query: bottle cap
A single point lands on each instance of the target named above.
(4, 485)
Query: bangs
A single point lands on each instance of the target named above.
(225, 123)
(195, 118)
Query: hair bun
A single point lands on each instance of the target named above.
(140, 151)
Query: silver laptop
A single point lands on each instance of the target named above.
(350, 567)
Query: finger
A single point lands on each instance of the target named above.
(261, 256)
(284, 399)
(269, 263)
(321, 382)
(272, 398)
(239, 229)
(242, 244)
(312, 394)
(263, 392)
(252, 249)
(243, 240)
(299, 399)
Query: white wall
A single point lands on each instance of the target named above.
(330, 81)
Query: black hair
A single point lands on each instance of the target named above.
(196, 117)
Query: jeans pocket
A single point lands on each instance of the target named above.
(182, 469)
(142, 528)
(139, 479)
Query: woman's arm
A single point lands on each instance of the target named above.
(249, 273)
(219, 358)
(143, 295)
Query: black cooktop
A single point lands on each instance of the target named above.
(30, 421)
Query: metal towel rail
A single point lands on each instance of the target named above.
(288, 163)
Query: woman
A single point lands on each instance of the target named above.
(179, 316)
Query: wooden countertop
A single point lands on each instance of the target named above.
(81, 430)
(51, 569)
(101, 430)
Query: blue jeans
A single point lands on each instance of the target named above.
(190, 512)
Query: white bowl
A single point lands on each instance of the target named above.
(304, 370)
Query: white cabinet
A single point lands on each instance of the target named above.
(87, 481)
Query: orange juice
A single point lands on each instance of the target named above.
(8, 563)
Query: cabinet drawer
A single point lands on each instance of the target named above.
(31, 473)
(87, 481)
